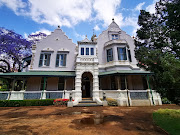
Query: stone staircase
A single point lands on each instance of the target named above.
(87, 102)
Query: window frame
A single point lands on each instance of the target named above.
(92, 50)
(42, 59)
(115, 36)
(59, 60)
(82, 52)
(109, 56)
(122, 56)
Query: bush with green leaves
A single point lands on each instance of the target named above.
(18, 103)
(112, 102)
(166, 101)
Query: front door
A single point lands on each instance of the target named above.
(86, 85)
(86, 89)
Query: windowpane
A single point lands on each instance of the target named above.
(122, 53)
(82, 51)
(129, 56)
(109, 55)
(44, 59)
(114, 36)
(92, 51)
(61, 60)
(87, 51)
(61, 83)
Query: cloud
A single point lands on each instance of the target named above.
(15, 5)
(139, 6)
(59, 12)
(151, 8)
(96, 28)
(105, 11)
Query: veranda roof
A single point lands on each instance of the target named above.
(125, 72)
(40, 73)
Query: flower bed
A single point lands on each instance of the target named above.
(61, 102)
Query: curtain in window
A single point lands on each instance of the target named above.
(122, 53)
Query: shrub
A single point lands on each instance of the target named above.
(112, 102)
(17, 103)
(166, 101)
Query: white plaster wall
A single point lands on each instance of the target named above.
(57, 40)
(104, 37)
(33, 83)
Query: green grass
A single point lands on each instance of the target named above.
(168, 119)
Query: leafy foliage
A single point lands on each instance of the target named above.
(17, 103)
(158, 46)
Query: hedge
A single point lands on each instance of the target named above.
(17, 103)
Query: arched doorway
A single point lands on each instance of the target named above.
(86, 85)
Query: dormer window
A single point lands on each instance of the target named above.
(44, 59)
(114, 36)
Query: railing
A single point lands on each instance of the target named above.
(25, 95)
(138, 94)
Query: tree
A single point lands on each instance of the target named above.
(13, 47)
(158, 46)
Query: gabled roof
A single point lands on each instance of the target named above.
(113, 26)
(86, 41)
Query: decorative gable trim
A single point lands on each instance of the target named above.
(48, 49)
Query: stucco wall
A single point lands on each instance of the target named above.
(56, 41)
(102, 56)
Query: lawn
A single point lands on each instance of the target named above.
(168, 119)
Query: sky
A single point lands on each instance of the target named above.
(77, 18)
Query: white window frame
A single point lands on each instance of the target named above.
(64, 60)
(45, 60)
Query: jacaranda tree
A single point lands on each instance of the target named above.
(13, 48)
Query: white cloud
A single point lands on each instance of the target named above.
(59, 12)
(106, 10)
(139, 6)
(15, 5)
(79, 36)
(151, 8)
(96, 28)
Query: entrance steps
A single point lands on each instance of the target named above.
(87, 102)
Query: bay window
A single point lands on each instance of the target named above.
(109, 55)
(122, 53)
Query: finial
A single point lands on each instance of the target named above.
(113, 19)
(58, 26)
(86, 36)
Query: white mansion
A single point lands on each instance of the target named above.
(104, 65)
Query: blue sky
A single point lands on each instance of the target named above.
(76, 18)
